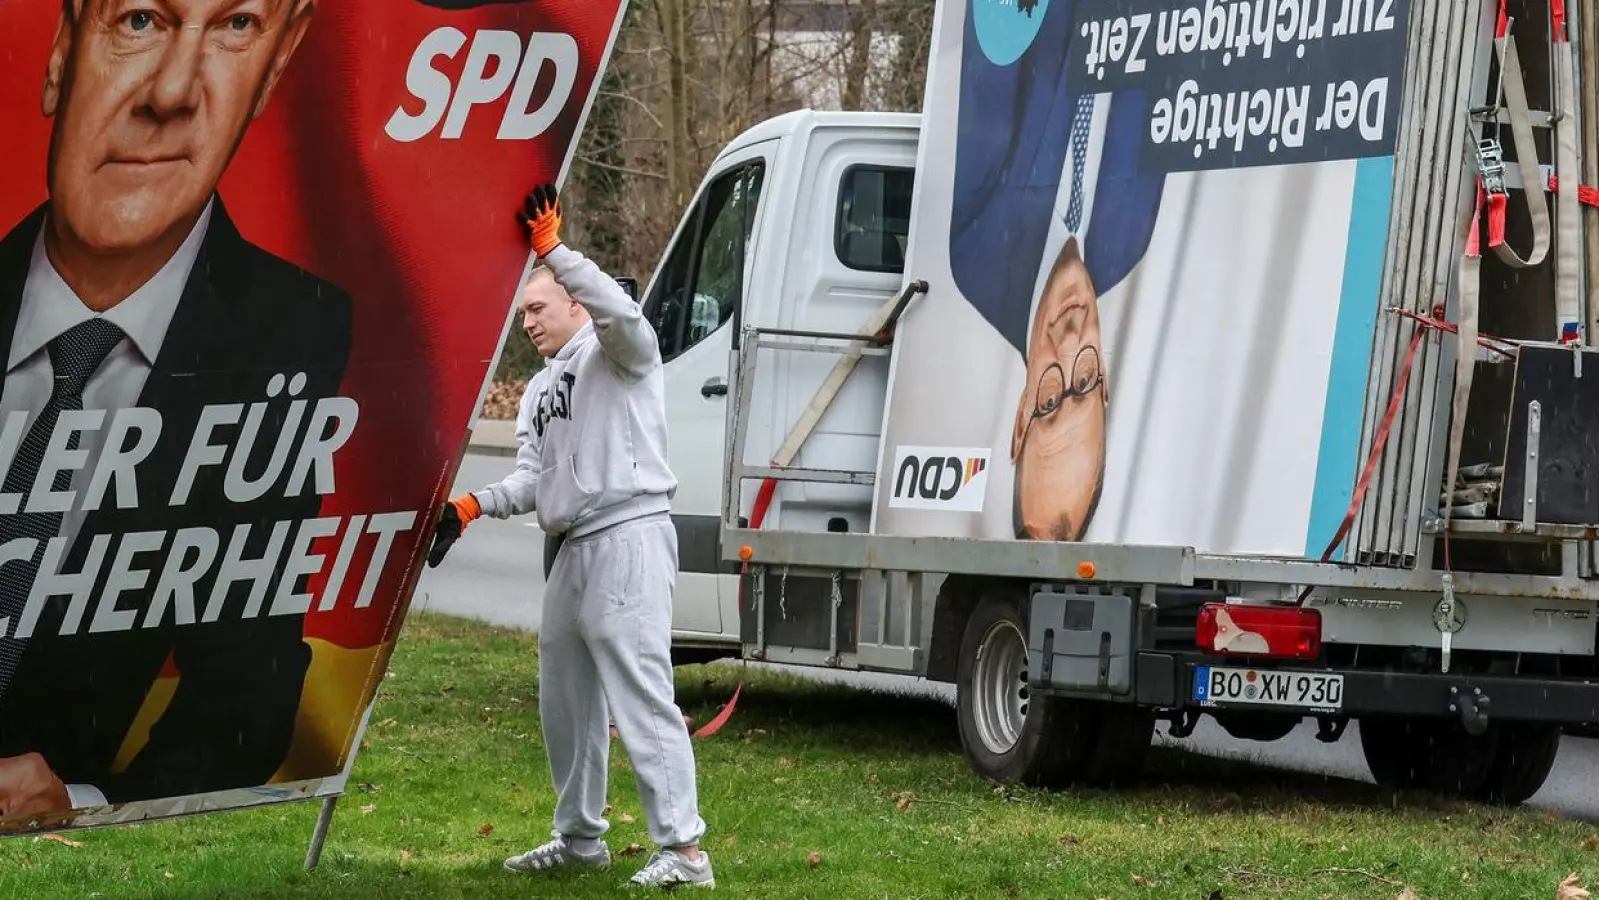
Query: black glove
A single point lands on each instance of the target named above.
(445, 534)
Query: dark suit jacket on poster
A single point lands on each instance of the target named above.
(1013, 137)
(244, 316)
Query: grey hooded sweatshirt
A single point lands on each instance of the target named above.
(592, 423)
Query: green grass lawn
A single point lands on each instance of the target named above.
(810, 792)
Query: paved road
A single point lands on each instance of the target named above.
(495, 575)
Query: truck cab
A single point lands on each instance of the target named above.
(801, 222)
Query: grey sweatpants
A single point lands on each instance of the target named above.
(604, 653)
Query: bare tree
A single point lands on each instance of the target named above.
(688, 76)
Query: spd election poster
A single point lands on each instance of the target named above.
(256, 260)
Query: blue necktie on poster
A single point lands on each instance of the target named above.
(1082, 126)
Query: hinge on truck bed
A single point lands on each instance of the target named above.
(1447, 620)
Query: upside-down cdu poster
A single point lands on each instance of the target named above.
(256, 262)
(1158, 229)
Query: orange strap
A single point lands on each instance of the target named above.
(1586, 195)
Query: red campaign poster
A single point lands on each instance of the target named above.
(256, 260)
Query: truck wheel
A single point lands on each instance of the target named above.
(1526, 755)
(1433, 755)
(1012, 736)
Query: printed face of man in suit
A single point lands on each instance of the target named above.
(1058, 445)
(150, 100)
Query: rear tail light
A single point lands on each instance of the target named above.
(1284, 632)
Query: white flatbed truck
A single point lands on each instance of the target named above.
(1457, 627)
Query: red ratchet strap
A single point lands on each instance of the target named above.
(1586, 195)
(1557, 19)
(715, 725)
(1377, 444)
(1496, 344)
(1379, 441)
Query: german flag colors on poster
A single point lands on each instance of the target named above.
(256, 261)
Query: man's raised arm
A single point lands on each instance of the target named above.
(625, 336)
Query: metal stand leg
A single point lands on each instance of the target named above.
(314, 853)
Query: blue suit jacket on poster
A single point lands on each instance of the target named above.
(1013, 129)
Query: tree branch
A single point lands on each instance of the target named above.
(636, 173)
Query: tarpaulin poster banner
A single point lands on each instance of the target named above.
(1158, 228)
(256, 259)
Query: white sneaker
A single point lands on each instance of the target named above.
(558, 853)
(669, 869)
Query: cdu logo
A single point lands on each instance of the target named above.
(1006, 28)
(952, 479)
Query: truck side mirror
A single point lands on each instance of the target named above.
(629, 284)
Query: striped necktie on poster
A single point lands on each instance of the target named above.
(74, 356)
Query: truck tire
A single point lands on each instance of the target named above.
(1010, 735)
(1526, 755)
(1433, 755)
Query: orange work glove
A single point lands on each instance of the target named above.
(466, 506)
(541, 216)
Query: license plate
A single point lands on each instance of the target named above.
(1217, 686)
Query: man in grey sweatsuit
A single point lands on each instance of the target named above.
(592, 464)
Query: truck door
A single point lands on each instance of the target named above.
(845, 260)
(691, 303)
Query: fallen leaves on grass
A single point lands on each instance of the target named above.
(631, 850)
(904, 801)
(1141, 881)
(813, 860)
(1570, 889)
(485, 829)
(1591, 844)
(1070, 840)
(625, 819)
(785, 763)
(503, 399)
(369, 809)
(390, 722)
(1409, 893)
(52, 836)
